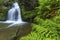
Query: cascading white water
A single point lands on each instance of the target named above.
(14, 15)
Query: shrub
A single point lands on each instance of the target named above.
(41, 33)
(46, 24)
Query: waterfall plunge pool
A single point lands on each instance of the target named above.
(8, 33)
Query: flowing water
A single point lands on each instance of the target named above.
(14, 32)
(14, 16)
(14, 21)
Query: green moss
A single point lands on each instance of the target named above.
(3, 1)
(3, 12)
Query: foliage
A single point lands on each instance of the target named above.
(45, 17)
(48, 30)
(46, 24)
(29, 4)
(47, 9)
(2, 1)
(42, 33)
(28, 14)
(3, 12)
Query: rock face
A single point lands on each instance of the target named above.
(14, 32)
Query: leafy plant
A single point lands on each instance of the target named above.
(41, 33)
(46, 24)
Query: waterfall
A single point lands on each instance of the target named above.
(14, 15)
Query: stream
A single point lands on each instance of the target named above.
(15, 32)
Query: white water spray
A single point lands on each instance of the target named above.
(14, 15)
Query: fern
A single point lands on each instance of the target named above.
(46, 24)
